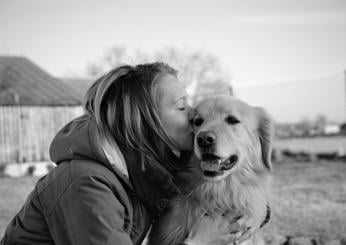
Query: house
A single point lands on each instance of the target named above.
(24, 83)
(331, 129)
(33, 106)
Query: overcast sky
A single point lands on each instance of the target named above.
(257, 41)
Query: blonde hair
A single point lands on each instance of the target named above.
(126, 111)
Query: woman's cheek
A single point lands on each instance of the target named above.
(182, 121)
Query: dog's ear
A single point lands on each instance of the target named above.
(265, 131)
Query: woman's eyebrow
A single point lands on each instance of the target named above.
(180, 98)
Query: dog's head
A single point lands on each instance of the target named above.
(231, 135)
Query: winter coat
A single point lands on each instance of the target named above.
(85, 200)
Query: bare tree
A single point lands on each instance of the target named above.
(113, 57)
(200, 72)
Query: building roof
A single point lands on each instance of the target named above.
(79, 84)
(24, 83)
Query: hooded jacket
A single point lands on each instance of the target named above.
(86, 200)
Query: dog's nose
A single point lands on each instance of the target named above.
(206, 138)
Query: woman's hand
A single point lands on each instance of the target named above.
(218, 229)
(247, 228)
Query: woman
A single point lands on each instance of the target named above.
(116, 165)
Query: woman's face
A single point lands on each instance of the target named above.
(174, 111)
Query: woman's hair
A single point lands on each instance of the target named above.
(125, 107)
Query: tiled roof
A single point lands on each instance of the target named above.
(24, 83)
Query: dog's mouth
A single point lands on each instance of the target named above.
(212, 174)
(217, 165)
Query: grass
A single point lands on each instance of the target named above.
(13, 192)
(316, 144)
(309, 199)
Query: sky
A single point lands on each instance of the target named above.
(300, 100)
(258, 42)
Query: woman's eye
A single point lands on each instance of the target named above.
(198, 122)
(232, 120)
(182, 108)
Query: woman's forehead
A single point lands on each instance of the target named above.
(170, 87)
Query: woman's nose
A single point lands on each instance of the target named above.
(191, 114)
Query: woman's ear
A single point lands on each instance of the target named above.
(265, 132)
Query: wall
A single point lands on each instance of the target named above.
(26, 132)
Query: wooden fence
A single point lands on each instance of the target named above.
(26, 132)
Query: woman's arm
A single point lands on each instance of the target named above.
(221, 229)
(214, 230)
(248, 228)
(90, 214)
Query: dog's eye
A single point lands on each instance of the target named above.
(198, 122)
(232, 120)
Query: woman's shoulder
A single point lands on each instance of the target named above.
(83, 167)
(71, 172)
(98, 171)
(79, 175)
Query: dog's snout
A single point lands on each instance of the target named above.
(206, 138)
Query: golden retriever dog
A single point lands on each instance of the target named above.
(233, 146)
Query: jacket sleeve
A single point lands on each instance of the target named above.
(90, 213)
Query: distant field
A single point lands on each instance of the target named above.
(309, 199)
(317, 144)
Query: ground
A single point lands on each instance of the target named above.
(309, 199)
(13, 192)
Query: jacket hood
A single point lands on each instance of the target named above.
(77, 140)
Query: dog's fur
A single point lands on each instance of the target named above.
(239, 186)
